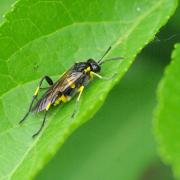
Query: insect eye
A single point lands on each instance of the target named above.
(95, 68)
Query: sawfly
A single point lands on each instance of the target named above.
(70, 83)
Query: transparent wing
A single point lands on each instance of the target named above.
(50, 96)
(68, 79)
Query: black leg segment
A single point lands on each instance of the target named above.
(26, 115)
(75, 109)
(42, 125)
(50, 82)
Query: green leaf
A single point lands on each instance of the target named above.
(4, 6)
(47, 37)
(167, 114)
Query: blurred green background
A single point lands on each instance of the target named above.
(128, 151)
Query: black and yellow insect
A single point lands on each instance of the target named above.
(72, 82)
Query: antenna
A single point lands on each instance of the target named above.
(111, 59)
(100, 60)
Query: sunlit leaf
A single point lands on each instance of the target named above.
(47, 37)
(167, 115)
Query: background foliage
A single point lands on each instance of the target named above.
(107, 147)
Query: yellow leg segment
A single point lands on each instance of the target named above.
(37, 91)
(95, 74)
(80, 90)
(99, 76)
(48, 106)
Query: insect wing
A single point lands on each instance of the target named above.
(68, 79)
(50, 96)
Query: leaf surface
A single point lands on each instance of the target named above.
(4, 7)
(167, 114)
(47, 37)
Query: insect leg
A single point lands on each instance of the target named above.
(44, 120)
(50, 82)
(103, 78)
(77, 101)
(42, 125)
